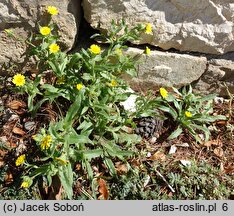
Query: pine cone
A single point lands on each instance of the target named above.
(148, 126)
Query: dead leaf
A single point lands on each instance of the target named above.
(211, 142)
(173, 149)
(158, 156)
(218, 152)
(78, 167)
(221, 122)
(221, 167)
(121, 168)
(8, 178)
(229, 169)
(56, 189)
(18, 131)
(15, 104)
(102, 189)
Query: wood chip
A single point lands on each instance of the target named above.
(158, 156)
(15, 104)
(211, 142)
(18, 131)
(121, 168)
(172, 149)
(219, 152)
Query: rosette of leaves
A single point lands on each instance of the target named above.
(189, 111)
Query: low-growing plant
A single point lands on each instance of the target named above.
(200, 181)
(86, 90)
(189, 111)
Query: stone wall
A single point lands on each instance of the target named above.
(23, 17)
(205, 26)
(201, 33)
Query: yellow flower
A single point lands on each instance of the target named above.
(19, 80)
(45, 30)
(60, 80)
(113, 83)
(163, 92)
(45, 143)
(148, 29)
(20, 160)
(52, 10)
(95, 49)
(25, 184)
(79, 86)
(62, 161)
(54, 48)
(188, 114)
(147, 50)
(9, 31)
(118, 51)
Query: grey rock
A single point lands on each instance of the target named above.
(217, 78)
(165, 69)
(204, 26)
(23, 17)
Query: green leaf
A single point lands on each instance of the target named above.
(73, 111)
(110, 165)
(175, 133)
(85, 125)
(204, 129)
(88, 168)
(73, 138)
(169, 110)
(94, 153)
(87, 77)
(131, 72)
(66, 178)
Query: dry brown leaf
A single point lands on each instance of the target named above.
(78, 167)
(102, 189)
(18, 131)
(15, 104)
(229, 169)
(221, 122)
(121, 168)
(211, 142)
(158, 156)
(219, 152)
(8, 178)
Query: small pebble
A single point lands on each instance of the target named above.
(29, 125)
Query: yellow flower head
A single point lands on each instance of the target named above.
(45, 30)
(62, 161)
(52, 10)
(148, 28)
(25, 184)
(19, 80)
(163, 92)
(113, 83)
(147, 50)
(60, 80)
(20, 160)
(188, 114)
(54, 48)
(79, 86)
(95, 49)
(118, 51)
(45, 143)
(9, 31)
